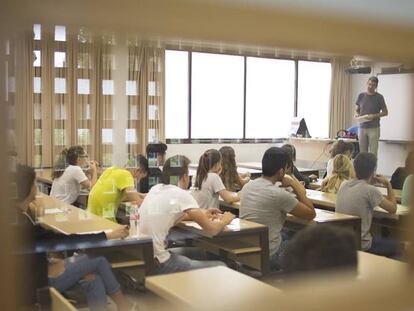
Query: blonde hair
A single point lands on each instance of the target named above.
(342, 170)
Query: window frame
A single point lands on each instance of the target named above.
(190, 139)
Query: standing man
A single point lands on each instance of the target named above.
(370, 107)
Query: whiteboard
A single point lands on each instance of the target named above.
(398, 92)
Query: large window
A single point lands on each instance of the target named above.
(222, 96)
(217, 96)
(270, 90)
(313, 96)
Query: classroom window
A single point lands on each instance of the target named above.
(176, 94)
(60, 59)
(60, 86)
(84, 137)
(108, 87)
(59, 137)
(83, 86)
(107, 136)
(60, 33)
(37, 60)
(60, 111)
(37, 31)
(217, 96)
(131, 88)
(37, 85)
(130, 136)
(314, 83)
(270, 88)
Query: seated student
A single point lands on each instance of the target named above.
(318, 249)
(115, 185)
(69, 177)
(401, 173)
(291, 150)
(359, 197)
(342, 170)
(232, 180)
(208, 182)
(168, 203)
(339, 147)
(264, 203)
(406, 191)
(93, 275)
(156, 157)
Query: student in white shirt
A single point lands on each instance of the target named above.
(168, 203)
(69, 177)
(208, 181)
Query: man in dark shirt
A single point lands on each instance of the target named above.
(370, 107)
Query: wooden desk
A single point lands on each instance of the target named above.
(372, 266)
(323, 217)
(398, 193)
(327, 201)
(243, 241)
(216, 288)
(128, 253)
(254, 173)
(258, 166)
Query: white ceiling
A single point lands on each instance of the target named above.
(397, 12)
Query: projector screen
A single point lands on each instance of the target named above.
(398, 92)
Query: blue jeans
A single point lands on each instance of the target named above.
(180, 261)
(385, 247)
(104, 282)
(276, 260)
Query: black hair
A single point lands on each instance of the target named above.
(373, 79)
(320, 248)
(174, 169)
(341, 147)
(273, 160)
(365, 164)
(25, 178)
(159, 147)
(67, 157)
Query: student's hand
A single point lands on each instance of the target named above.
(381, 179)
(213, 212)
(287, 181)
(93, 165)
(118, 233)
(313, 177)
(227, 217)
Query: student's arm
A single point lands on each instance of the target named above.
(130, 194)
(228, 196)
(243, 179)
(389, 203)
(89, 183)
(304, 209)
(211, 227)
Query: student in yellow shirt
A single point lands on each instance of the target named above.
(115, 186)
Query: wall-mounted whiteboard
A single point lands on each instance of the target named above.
(398, 92)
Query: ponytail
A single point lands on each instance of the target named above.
(207, 160)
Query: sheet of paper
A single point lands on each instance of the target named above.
(51, 211)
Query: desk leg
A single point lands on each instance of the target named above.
(148, 254)
(264, 245)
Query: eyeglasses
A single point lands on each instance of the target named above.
(83, 156)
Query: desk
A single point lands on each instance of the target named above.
(398, 193)
(44, 179)
(323, 217)
(258, 166)
(130, 252)
(243, 241)
(216, 288)
(372, 266)
(254, 172)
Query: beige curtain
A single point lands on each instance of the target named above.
(340, 114)
(146, 70)
(24, 122)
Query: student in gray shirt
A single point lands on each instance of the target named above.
(267, 204)
(370, 107)
(359, 197)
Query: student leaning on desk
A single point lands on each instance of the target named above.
(170, 202)
(93, 275)
(115, 186)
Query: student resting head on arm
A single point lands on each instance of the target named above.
(267, 204)
(343, 169)
(69, 176)
(168, 203)
(359, 197)
(292, 170)
(114, 186)
(209, 184)
(232, 180)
